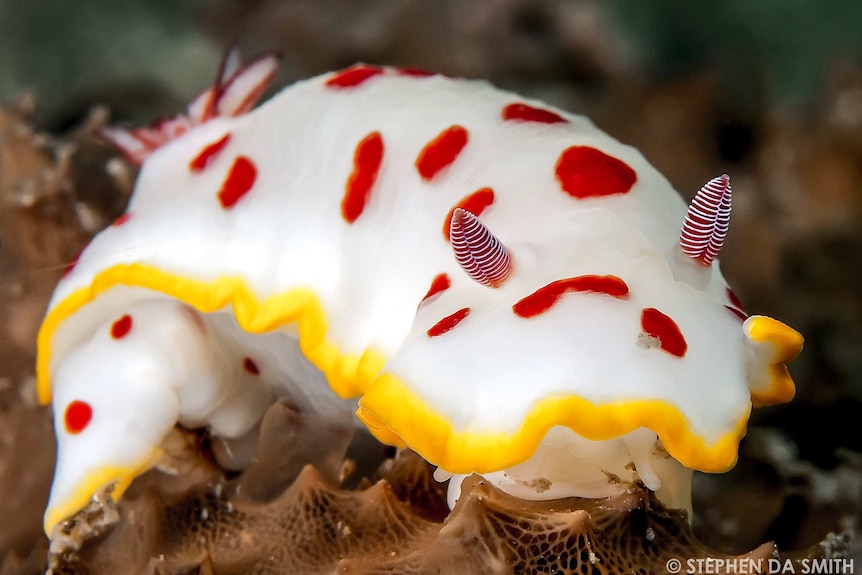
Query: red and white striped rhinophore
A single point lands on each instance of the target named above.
(477, 250)
(707, 220)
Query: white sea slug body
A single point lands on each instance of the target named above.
(503, 286)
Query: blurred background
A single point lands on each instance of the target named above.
(767, 91)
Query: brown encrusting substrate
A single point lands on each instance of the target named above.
(198, 522)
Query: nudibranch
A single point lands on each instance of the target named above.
(504, 288)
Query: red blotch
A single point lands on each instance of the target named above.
(737, 312)
(77, 417)
(416, 72)
(524, 113)
(122, 220)
(662, 327)
(545, 297)
(239, 181)
(585, 172)
(441, 151)
(475, 203)
(208, 153)
(121, 327)
(439, 284)
(71, 267)
(366, 164)
(250, 366)
(734, 300)
(352, 76)
(448, 322)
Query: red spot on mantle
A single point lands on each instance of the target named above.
(440, 283)
(736, 305)
(71, 267)
(734, 300)
(475, 203)
(441, 151)
(737, 312)
(545, 297)
(366, 163)
(352, 76)
(208, 153)
(415, 72)
(77, 416)
(122, 220)
(239, 181)
(121, 327)
(525, 113)
(448, 322)
(662, 327)
(250, 366)
(585, 172)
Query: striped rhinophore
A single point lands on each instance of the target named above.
(707, 220)
(477, 250)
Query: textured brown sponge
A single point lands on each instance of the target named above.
(393, 526)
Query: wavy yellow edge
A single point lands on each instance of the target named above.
(394, 413)
(787, 344)
(348, 374)
(122, 476)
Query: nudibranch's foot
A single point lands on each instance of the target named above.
(393, 526)
(567, 465)
(91, 522)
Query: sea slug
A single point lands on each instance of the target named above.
(506, 289)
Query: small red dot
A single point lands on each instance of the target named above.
(122, 220)
(448, 323)
(208, 153)
(440, 283)
(239, 181)
(121, 327)
(250, 366)
(585, 172)
(415, 72)
(441, 151)
(524, 113)
(661, 326)
(352, 76)
(77, 417)
(366, 164)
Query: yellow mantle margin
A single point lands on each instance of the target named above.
(786, 344)
(121, 476)
(348, 375)
(392, 412)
